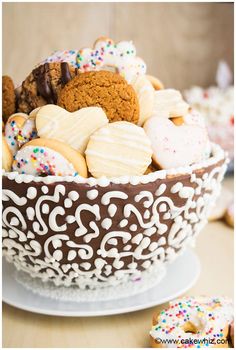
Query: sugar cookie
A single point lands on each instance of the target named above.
(101, 89)
(120, 148)
(145, 93)
(54, 122)
(106, 54)
(175, 146)
(19, 129)
(7, 157)
(156, 83)
(49, 157)
(168, 103)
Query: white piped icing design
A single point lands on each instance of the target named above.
(69, 241)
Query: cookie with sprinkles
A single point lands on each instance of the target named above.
(68, 56)
(107, 55)
(186, 322)
(19, 129)
(41, 157)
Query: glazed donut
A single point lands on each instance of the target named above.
(193, 322)
(120, 58)
(49, 157)
(19, 129)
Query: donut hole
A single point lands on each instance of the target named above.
(189, 327)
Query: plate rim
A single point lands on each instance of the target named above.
(120, 310)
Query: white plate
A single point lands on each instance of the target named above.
(181, 275)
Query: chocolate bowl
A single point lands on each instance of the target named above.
(96, 233)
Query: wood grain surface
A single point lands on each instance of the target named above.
(180, 42)
(23, 329)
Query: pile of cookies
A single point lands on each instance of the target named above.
(95, 112)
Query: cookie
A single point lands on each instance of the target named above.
(7, 157)
(8, 98)
(118, 149)
(156, 83)
(106, 55)
(168, 103)
(175, 146)
(101, 89)
(54, 122)
(229, 215)
(19, 129)
(43, 84)
(145, 93)
(68, 56)
(49, 157)
(219, 210)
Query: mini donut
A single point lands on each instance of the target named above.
(118, 149)
(7, 157)
(156, 83)
(49, 157)
(229, 215)
(120, 57)
(193, 319)
(19, 129)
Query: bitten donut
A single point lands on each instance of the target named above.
(175, 146)
(120, 148)
(8, 97)
(186, 322)
(101, 89)
(19, 129)
(7, 157)
(49, 157)
(120, 57)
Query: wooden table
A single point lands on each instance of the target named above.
(24, 329)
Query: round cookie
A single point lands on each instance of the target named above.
(19, 129)
(49, 157)
(8, 98)
(156, 83)
(229, 215)
(118, 149)
(7, 157)
(219, 210)
(101, 89)
(145, 93)
(43, 85)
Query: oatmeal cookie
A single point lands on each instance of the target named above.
(8, 97)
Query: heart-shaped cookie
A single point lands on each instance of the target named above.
(54, 122)
(175, 146)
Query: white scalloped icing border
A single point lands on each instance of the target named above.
(218, 154)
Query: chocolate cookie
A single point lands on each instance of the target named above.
(8, 98)
(43, 85)
(102, 89)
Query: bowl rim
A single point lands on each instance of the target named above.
(218, 154)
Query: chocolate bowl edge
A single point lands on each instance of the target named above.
(97, 233)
